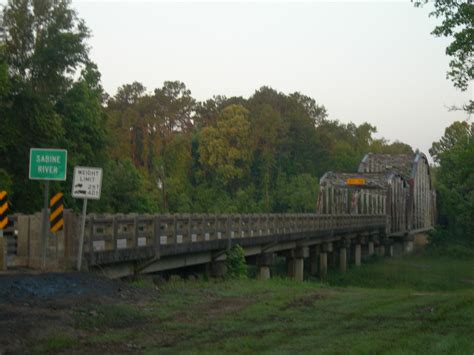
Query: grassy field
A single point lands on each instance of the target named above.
(412, 304)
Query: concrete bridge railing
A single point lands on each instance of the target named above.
(115, 232)
(135, 243)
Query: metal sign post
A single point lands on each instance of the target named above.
(81, 237)
(45, 224)
(87, 184)
(46, 165)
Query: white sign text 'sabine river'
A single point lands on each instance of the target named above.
(87, 182)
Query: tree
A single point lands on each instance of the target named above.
(297, 194)
(42, 103)
(455, 180)
(317, 113)
(126, 189)
(207, 112)
(176, 107)
(127, 94)
(456, 135)
(45, 44)
(225, 149)
(457, 23)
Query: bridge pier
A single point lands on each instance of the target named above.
(218, 269)
(323, 265)
(264, 261)
(295, 262)
(408, 246)
(343, 259)
(371, 248)
(323, 260)
(344, 246)
(298, 269)
(357, 254)
(381, 250)
(264, 272)
(398, 248)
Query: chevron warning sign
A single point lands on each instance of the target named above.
(3, 210)
(56, 219)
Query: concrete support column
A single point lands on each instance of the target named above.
(408, 246)
(398, 249)
(382, 250)
(298, 269)
(323, 265)
(343, 259)
(264, 272)
(297, 261)
(357, 254)
(371, 248)
(390, 250)
(264, 261)
(218, 269)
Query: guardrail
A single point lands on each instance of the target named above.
(114, 233)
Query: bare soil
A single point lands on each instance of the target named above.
(35, 306)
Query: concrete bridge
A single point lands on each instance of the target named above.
(359, 215)
(123, 245)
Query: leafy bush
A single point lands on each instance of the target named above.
(235, 262)
(444, 243)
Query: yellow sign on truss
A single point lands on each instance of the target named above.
(355, 181)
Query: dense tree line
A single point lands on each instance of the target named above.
(161, 150)
(454, 153)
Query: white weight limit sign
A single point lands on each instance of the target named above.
(86, 184)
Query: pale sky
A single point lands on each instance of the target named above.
(364, 61)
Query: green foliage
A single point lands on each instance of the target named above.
(225, 148)
(455, 180)
(427, 271)
(6, 182)
(42, 103)
(126, 189)
(235, 262)
(458, 25)
(442, 244)
(296, 194)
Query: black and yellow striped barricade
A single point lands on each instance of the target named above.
(3, 225)
(56, 217)
(3, 210)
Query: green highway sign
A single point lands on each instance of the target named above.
(48, 164)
